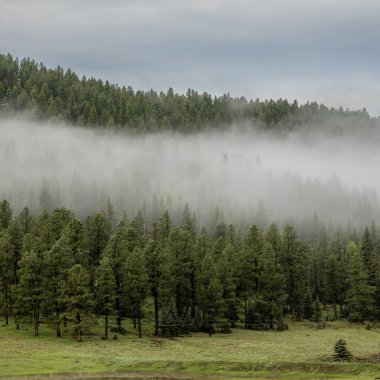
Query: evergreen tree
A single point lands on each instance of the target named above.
(293, 264)
(250, 267)
(117, 250)
(135, 284)
(30, 290)
(177, 270)
(333, 281)
(341, 352)
(209, 293)
(170, 323)
(369, 256)
(106, 291)
(76, 297)
(5, 214)
(57, 261)
(359, 300)
(6, 274)
(153, 259)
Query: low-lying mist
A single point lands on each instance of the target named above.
(246, 175)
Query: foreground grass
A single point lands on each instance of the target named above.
(300, 352)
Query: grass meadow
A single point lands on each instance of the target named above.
(303, 352)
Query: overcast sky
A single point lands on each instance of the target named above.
(324, 50)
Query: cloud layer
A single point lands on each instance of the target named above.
(243, 173)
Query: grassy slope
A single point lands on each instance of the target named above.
(301, 349)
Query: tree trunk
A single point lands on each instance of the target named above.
(335, 311)
(245, 313)
(79, 327)
(271, 318)
(155, 315)
(36, 323)
(293, 313)
(58, 325)
(106, 327)
(118, 322)
(139, 320)
(134, 322)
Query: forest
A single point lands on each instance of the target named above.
(60, 95)
(72, 273)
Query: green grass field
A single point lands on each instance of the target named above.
(302, 352)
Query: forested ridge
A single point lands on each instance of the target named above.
(59, 95)
(70, 273)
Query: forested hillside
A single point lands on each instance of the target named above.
(60, 95)
(58, 269)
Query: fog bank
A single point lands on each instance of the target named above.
(249, 176)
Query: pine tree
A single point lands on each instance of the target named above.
(6, 274)
(93, 118)
(5, 214)
(177, 270)
(153, 259)
(57, 261)
(307, 305)
(359, 299)
(250, 266)
(333, 281)
(135, 284)
(106, 291)
(170, 323)
(292, 262)
(118, 248)
(341, 352)
(30, 290)
(76, 297)
(209, 293)
(368, 253)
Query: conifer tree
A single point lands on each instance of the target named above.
(341, 352)
(177, 270)
(135, 284)
(6, 274)
(250, 266)
(30, 290)
(359, 299)
(170, 324)
(5, 214)
(333, 281)
(293, 264)
(57, 261)
(106, 291)
(76, 297)
(117, 250)
(153, 259)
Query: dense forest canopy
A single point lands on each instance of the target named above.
(64, 271)
(60, 95)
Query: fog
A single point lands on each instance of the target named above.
(243, 176)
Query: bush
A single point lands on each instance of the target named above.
(341, 352)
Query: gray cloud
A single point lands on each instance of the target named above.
(296, 49)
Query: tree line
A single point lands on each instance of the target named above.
(60, 95)
(64, 271)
